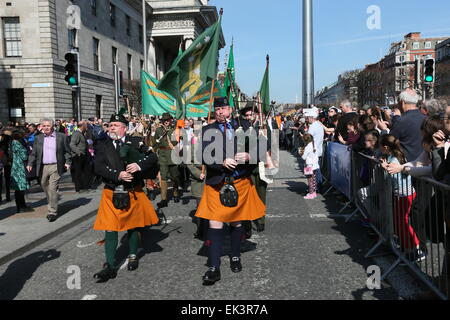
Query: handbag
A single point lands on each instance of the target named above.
(121, 198)
(308, 171)
(228, 194)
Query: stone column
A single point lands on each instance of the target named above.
(151, 63)
(187, 42)
(161, 62)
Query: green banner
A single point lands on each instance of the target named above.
(154, 101)
(194, 69)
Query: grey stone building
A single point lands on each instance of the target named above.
(35, 38)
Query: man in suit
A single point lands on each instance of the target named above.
(234, 165)
(51, 158)
(123, 167)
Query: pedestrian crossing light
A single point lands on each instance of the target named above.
(429, 70)
(72, 69)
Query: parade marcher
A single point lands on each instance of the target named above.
(261, 186)
(164, 146)
(123, 206)
(229, 194)
(198, 173)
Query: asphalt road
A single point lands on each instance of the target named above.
(304, 254)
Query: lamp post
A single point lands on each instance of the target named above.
(308, 53)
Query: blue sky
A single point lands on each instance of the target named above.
(342, 39)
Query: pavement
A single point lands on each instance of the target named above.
(21, 232)
(307, 252)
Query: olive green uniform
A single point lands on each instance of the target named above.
(167, 167)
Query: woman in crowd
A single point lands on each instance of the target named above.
(19, 182)
(404, 195)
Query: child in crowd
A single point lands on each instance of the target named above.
(311, 164)
(371, 143)
(404, 195)
(353, 133)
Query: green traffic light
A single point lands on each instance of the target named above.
(429, 78)
(72, 81)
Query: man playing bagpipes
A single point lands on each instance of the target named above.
(123, 165)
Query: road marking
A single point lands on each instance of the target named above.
(89, 297)
(80, 245)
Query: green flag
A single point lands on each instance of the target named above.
(154, 101)
(230, 78)
(194, 69)
(264, 91)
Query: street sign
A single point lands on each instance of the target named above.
(73, 17)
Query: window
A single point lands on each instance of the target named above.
(95, 50)
(416, 45)
(129, 61)
(94, 7)
(428, 45)
(140, 33)
(16, 104)
(128, 24)
(11, 34)
(98, 106)
(142, 64)
(112, 14)
(72, 43)
(114, 55)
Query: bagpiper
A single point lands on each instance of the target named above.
(123, 206)
(229, 194)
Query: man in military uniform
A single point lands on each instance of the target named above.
(164, 145)
(233, 166)
(123, 206)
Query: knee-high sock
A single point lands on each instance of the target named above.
(236, 238)
(215, 249)
(133, 241)
(111, 241)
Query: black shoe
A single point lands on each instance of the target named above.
(133, 262)
(176, 199)
(106, 274)
(162, 204)
(51, 217)
(260, 227)
(235, 264)
(211, 276)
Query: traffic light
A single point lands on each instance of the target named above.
(72, 69)
(429, 71)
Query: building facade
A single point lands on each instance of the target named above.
(442, 86)
(382, 82)
(345, 88)
(35, 38)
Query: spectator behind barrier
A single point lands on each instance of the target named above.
(439, 153)
(407, 127)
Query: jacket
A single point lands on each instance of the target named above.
(62, 153)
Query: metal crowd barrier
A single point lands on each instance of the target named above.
(410, 216)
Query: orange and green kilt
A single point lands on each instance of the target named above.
(140, 213)
(249, 207)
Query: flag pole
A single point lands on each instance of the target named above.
(211, 99)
